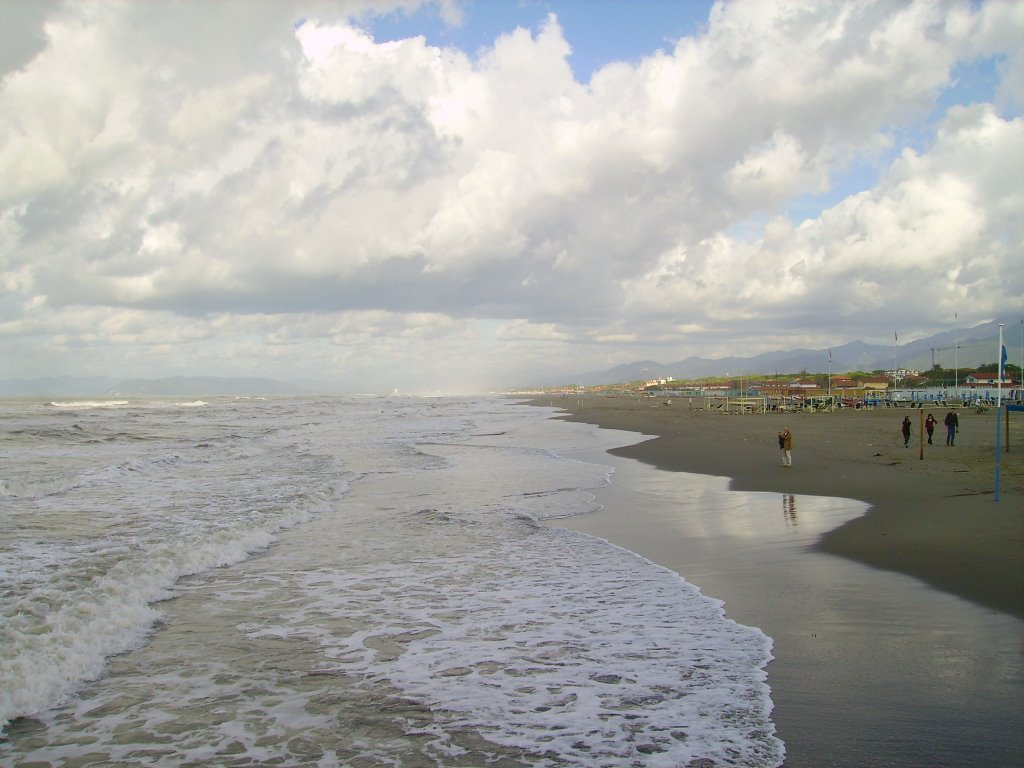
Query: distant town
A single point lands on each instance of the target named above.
(978, 387)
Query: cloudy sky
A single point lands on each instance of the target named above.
(463, 195)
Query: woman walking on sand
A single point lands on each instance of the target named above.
(906, 431)
(786, 446)
(929, 425)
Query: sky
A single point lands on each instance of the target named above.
(463, 196)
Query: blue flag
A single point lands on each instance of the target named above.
(1002, 364)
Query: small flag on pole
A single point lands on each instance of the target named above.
(1002, 364)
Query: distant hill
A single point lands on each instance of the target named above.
(976, 346)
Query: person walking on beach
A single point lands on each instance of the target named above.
(786, 446)
(952, 422)
(906, 431)
(929, 425)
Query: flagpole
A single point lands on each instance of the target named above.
(895, 339)
(1001, 364)
(956, 360)
(1001, 357)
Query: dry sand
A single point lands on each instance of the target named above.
(872, 669)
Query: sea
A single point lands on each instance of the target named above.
(345, 581)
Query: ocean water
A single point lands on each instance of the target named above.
(345, 582)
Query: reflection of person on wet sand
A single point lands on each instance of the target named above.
(789, 508)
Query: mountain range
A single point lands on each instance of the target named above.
(974, 346)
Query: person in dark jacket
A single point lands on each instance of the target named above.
(952, 422)
(786, 446)
(906, 431)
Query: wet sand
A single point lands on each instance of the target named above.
(934, 518)
(904, 650)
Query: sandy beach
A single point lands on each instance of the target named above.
(934, 518)
(898, 627)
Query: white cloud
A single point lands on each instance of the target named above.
(774, 171)
(271, 177)
(940, 234)
(524, 330)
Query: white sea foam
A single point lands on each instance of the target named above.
(414, 590)
(87, 547)
(85, 404)
(570, 643)
(59, 633)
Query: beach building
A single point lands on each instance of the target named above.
(901, 374)
(844, 382)
(875, 383)
(975, 380)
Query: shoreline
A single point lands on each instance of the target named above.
(935, 519)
